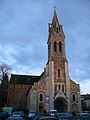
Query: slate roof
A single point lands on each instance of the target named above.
(23, 79)
(85, 96)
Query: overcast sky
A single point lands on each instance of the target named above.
(24, 35)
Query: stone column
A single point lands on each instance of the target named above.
(67, 86)
(51, 84)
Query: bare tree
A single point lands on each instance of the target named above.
(4, 71)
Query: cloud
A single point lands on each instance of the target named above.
(24, 35)
(85, 86)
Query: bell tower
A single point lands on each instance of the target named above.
(56, 43)
(56, 49)
(58, 65)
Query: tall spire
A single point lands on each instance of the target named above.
(55, 18)
(56, 47)
(55, 27)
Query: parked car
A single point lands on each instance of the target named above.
(3, 115)
(84, 113)
(31, 115)
(18, 114)
(65, 116)
(41, 115)
(48, 118)
(15, 118)
(53, 112)
(81, 118)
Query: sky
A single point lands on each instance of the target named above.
(24, 35)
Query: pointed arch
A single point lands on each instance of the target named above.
(55, 88)
(41, 97)
(58, 72)
(73, 97)
(60, 104)
(60, 46)
(57, 30)
(49, 47)
(59, 86)
(55, 46)
(62, 87)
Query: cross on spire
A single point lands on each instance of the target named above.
(54, 7)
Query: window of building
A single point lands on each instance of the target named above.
(59, 73)
(41, 97)
(14, 87)
(60, 47)
(21, 87)
(59, 86)
(55, 87)
(73, 97)
(55, 46)
(48, 49)
(49, 46)
(62, 88)
(57, 30)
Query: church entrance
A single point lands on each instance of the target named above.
(60, 104)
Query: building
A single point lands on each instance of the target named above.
(55, 89)
(18, 89)
(85, 102)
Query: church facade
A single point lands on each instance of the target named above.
(55, 89)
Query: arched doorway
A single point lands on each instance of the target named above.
(60, 104)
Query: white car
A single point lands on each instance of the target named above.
(31, 115)
(52, 112)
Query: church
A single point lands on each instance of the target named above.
(55, 89)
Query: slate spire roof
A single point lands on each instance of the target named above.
(55, 18)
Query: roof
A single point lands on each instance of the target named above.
(85, 96)
(23, 79)
(41, 76)
(73, 82)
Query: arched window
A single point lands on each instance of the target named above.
(49, 47)
(59, 73)
(55, 87)
(73, 97)
(60, 47)
(41, 97)
(48, 50)
(57, 30)
(14, 86)
(55, 46)
(59, 86)
(21, 87)
(62, 88)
